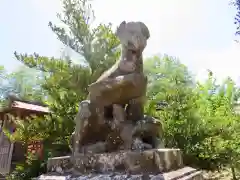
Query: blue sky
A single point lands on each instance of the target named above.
(199, 32)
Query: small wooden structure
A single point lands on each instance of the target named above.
(11, 153)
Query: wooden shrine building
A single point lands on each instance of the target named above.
(13, 152)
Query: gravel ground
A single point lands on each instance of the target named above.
(107, 177)
(120, 177)
(215, 175)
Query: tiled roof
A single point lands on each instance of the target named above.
(28, 106)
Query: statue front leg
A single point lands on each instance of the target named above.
(158, 143)
(126, 135)
(99, 109)
(135, 109)
(81, 122)
(125, 128)
(119, 115)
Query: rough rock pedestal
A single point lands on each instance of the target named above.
(155, 164)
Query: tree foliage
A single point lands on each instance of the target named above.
(200, 117)
(66, 82)
(3, 88)
(22, 82)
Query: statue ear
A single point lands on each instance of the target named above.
(121, 28)
(145, 30)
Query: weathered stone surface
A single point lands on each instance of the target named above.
(168, 159)
(121, 135)
(60, 165)
(185, 173)
(120, 85)
(91, 130)
(133, 34)
(118, 90)
(148, 161)
(150, 130)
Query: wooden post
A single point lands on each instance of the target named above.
(3, 126)
(9, 162)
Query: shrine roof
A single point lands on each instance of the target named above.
(16, 103)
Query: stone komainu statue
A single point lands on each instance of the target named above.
(122, 87)
(112, 119)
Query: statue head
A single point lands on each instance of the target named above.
(133, 35)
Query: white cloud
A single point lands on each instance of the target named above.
(222, 63)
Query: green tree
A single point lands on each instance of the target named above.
(66, 82)
(216, 108)
(26, 83)
(3, 88)
(171, 82)
(200, 117)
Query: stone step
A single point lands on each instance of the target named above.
(194, 176)
(186, 173)
(148, 161)
(2, 177)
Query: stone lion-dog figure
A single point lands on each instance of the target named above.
(122, 84)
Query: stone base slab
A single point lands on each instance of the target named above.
(186, 173)
(148, 161)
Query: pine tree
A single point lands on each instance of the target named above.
(66, 82)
